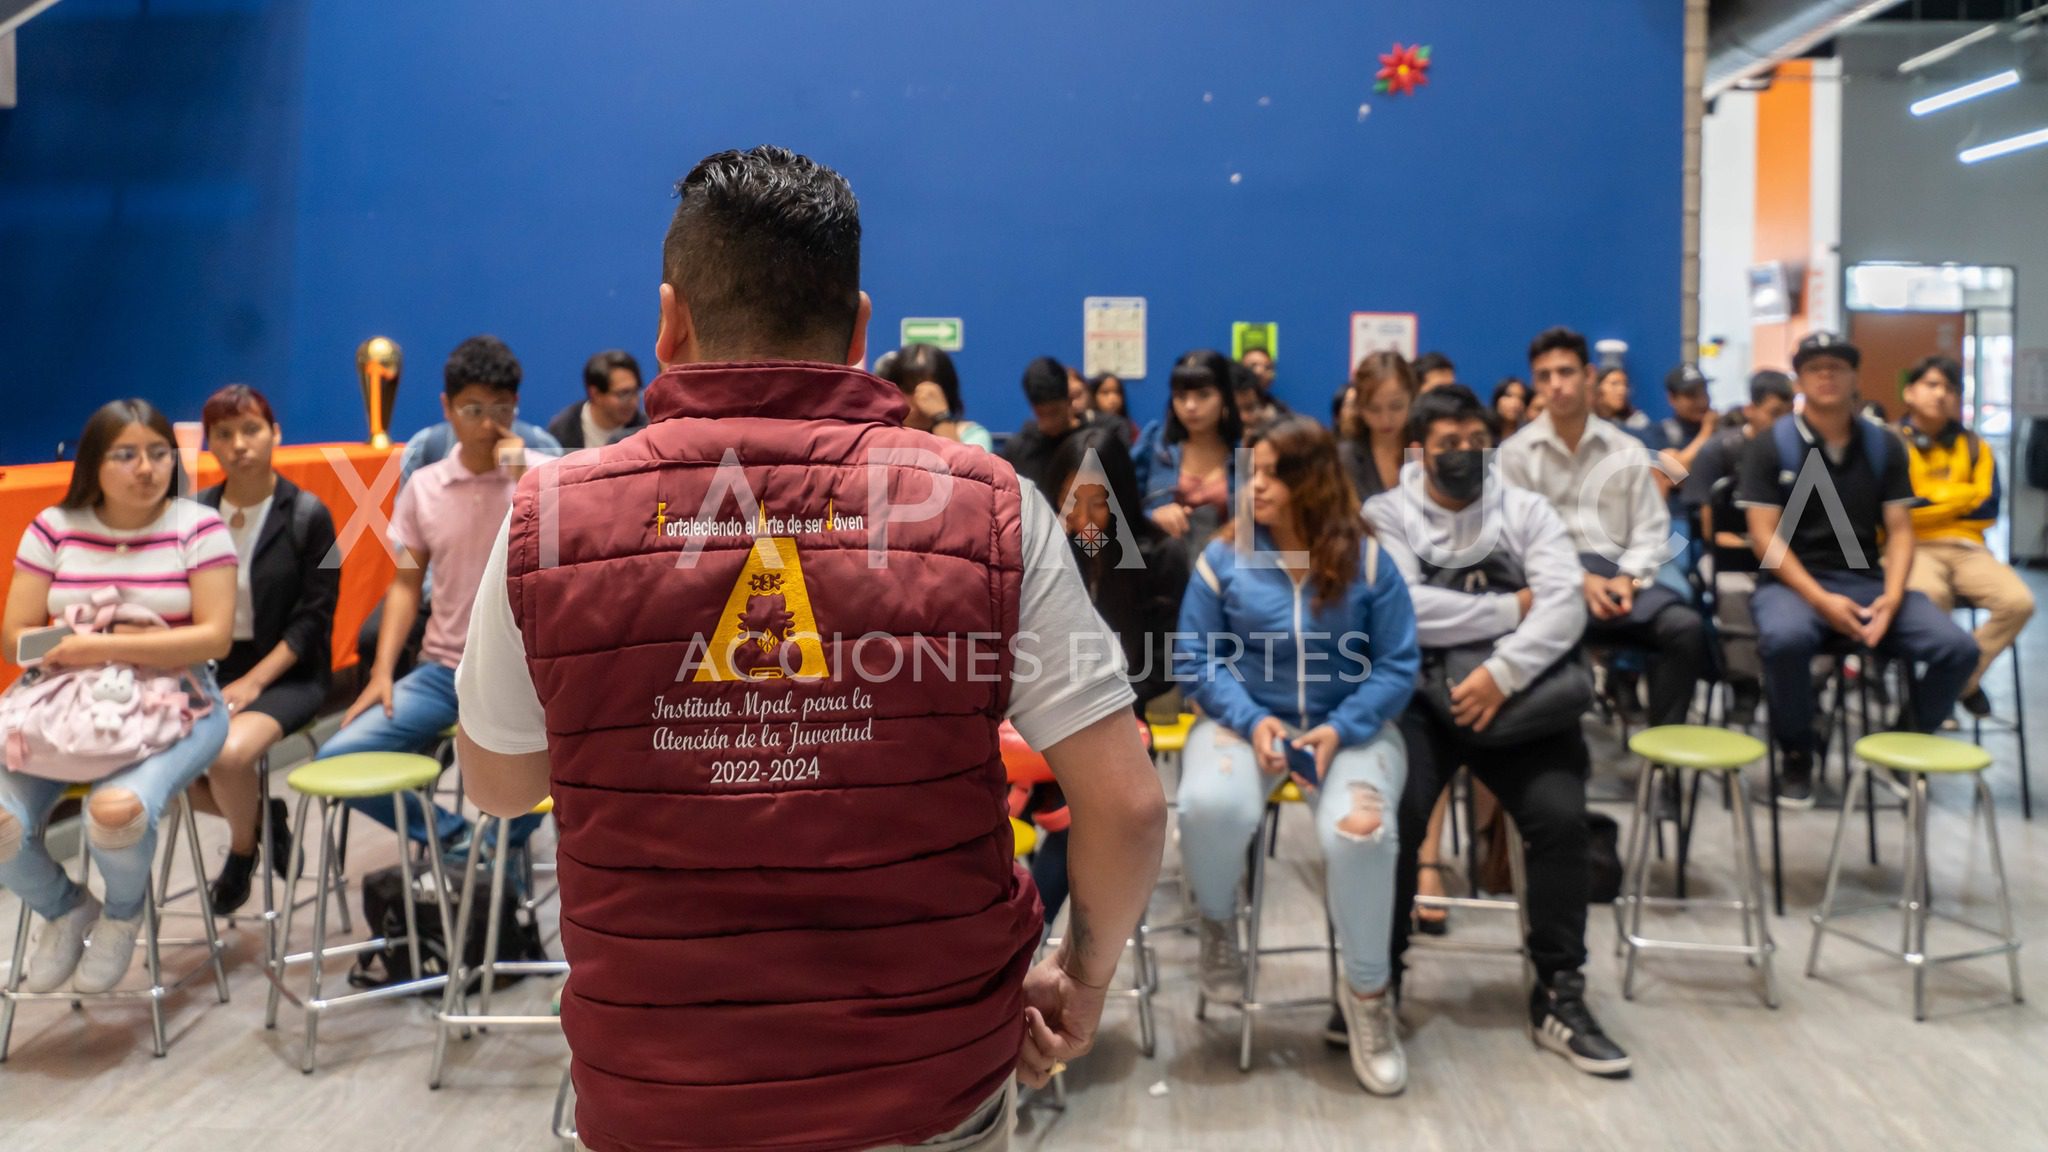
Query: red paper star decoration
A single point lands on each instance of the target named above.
(1403, 70)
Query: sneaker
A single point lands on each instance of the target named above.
(1795, 781)
(1566, 1026)
(1977, 703)
(1222, 962)
(108, 954)
(59, 945)
(230, 889)
(1376, 1056)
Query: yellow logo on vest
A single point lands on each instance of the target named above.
(767, 631)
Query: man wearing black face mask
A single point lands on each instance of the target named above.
(1491, 565)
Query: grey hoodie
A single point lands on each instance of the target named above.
(1410, 524)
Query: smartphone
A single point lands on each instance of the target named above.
(35, 643)
(1301, 761)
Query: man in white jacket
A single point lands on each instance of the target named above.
(1487, 563)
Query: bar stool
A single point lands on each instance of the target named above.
(1251, 1006)
(2018, 723)
(1674, 749)
(270, 914)
(1516, 902)
(359, 776)
(152, 937)
(1168, 741)
(454, 1011)
(1917, 758)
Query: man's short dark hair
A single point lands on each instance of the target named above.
(1433, 362)
(1045, 381)
(1452, 402)
(1556, 339)
(1949, 369)
(765, 247)
(481, 360)
(1769, 382)
(597, 371)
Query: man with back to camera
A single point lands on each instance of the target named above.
(1458, 532)
(1602, 482)
(1047, 390)
(610, 408)
(1816, 487)
(788, 893)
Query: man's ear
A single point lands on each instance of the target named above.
(857, 348)
(676, 342)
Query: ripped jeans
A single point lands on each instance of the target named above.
(1223, 795)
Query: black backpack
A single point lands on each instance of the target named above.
(384, 915)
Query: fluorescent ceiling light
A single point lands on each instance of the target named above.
(1971, 91)
(2004, 147)
(1949, 49)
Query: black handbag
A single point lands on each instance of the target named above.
(1549, 704)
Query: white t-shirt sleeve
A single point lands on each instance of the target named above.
(1069, 670)
(499, 707)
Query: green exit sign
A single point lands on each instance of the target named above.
(946, 333)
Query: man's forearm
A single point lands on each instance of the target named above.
(1113, 851)
(1898, 562)
(401, 608)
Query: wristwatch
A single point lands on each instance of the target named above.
(1643, 583)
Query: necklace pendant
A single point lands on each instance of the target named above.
(241, 518)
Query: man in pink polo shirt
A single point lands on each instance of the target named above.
(447, 518)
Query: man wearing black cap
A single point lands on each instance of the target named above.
(1816, 488)
(1052, 418)
(1693, 420)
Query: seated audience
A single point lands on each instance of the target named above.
(436, 442)
(1187, 467)
(1823, 571)
(1955, 476)
(1611, 403)
(1078, 396)
(1261, 364)
(445, 522)
(1048, 391)
(1135, 575)
(1337, 607)
(1511, 405)
(610, 409)
(120, 526)
(1254, 401)
(931, 385)
(1600, 481)
(1433, 370)
(1106, 396)
(1383, 387)
(276, 675)
(1491, 569)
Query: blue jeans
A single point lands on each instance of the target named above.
(1790, 633)
(1223, 795)
(422, 707)
(41, 882)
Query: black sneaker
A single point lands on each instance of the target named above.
(230, 889)
(1566, 1026)
(1977, 703)
(1795, 780)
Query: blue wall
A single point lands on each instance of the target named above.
(199, 191)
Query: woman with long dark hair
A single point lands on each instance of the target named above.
(277, 674)
(1511, 405)
(122, 526)
(1185, 462)
(1135, 575)
(1318, 704)
(1106, 397)
(929, 382)
(1382, 387)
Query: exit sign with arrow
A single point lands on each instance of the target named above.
(946, 333)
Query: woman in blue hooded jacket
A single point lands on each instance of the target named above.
(1301, 655)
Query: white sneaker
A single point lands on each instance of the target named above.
(108, 954)
(1222, 962)
(1376, 1056)
(59, 945)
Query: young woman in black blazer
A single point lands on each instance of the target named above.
(276, 676)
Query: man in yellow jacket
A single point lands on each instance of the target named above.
(1956, 479)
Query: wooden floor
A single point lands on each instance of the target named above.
(1841, 1065)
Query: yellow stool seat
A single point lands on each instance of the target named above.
(1287, 793)
(544, 807)
(1025, 835)
(1913, 752)
(77, 791)
(363, 774)
(1172, 737)
(1696, 747)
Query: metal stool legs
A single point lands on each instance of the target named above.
(454, 1013)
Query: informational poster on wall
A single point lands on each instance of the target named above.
(1382, 332)
(1113, 336)
(2030, 383)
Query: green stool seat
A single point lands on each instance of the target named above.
(364, 774)
(1913, 752)
(1698, 748)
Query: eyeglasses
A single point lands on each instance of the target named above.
(502, 413)
(126, 456)
(622, 393)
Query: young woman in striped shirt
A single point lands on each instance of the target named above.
(120, 526)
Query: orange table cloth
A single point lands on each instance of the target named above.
(366, 566)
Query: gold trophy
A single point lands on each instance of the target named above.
(378, 362)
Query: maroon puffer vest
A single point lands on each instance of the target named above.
(788, 894)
